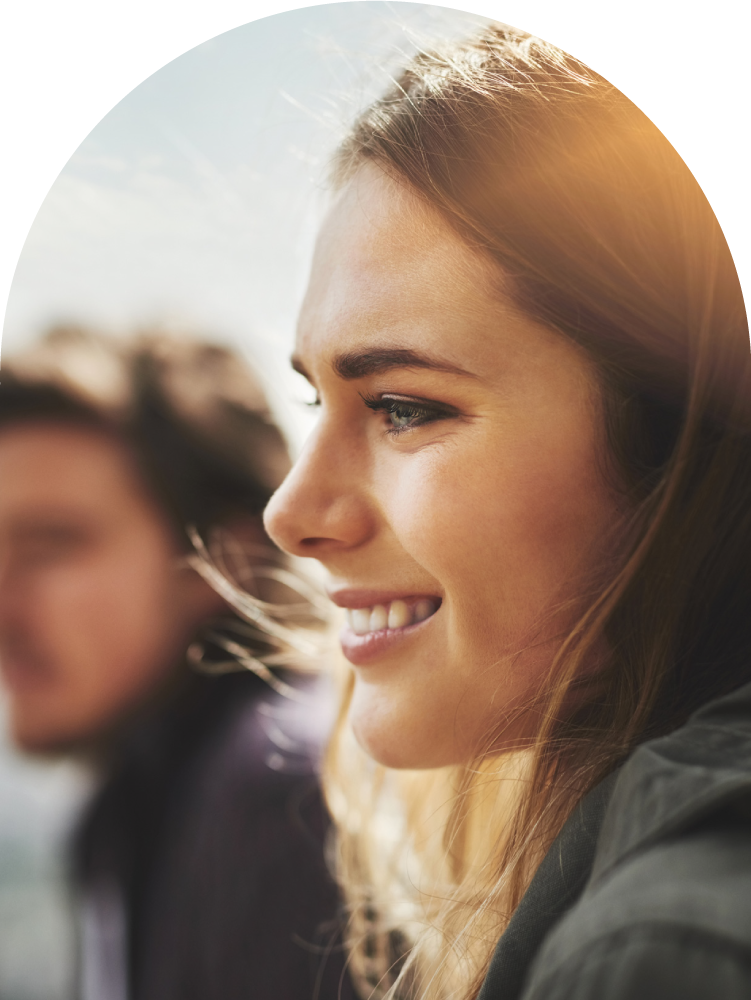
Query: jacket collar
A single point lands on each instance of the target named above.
(672, 783)
(665, 786)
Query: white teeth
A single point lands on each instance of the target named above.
(423, 609)
(379, 617)
(360, 620)
(399, 615)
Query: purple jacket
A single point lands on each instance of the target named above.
(200, 860)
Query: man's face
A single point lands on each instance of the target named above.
(95, 609)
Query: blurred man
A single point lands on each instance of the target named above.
(200, 865)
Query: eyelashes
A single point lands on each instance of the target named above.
(404, 413)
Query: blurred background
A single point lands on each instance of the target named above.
(195, 201)
(191, 207)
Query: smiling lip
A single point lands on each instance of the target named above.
(377, 620)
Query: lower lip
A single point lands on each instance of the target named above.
(361, 650)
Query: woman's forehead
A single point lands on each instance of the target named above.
(388, 267)
(379, 225)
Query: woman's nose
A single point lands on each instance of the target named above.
(321, 508)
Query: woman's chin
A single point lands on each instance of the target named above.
(392, 734)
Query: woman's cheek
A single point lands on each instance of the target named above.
(435, 503)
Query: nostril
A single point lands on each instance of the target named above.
(314, 543)
(346, 521)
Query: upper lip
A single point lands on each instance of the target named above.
(351, 597)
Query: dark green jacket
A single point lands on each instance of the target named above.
(646, 893)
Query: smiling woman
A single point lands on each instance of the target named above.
(530, 485)
(424, 371)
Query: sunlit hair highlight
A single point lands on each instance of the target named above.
(600, 231)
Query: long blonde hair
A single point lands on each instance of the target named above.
(606, 237)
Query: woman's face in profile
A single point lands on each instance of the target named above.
(453, 486)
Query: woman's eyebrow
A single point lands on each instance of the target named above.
(299, 367)
(359, 364)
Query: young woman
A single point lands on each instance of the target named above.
(530, 485)
(200, 857)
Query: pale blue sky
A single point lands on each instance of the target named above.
(194, 202)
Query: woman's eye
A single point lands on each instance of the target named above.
(406, 414)
(402, 415)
